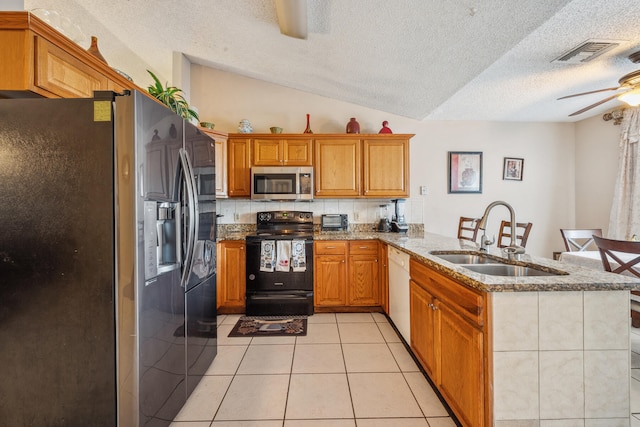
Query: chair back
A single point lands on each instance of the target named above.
(578, 240)
(468, 228)
(614, 250)
(522, 233)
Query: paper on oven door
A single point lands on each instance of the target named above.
(298, 256)
(283, 257)
(267, 252)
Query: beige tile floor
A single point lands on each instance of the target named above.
(350, 370)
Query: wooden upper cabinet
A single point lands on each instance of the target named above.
(375, 166)
(282, 152)
(386, 167)
(58, 72)
(36, 59)
(337, 167)
(239, 167)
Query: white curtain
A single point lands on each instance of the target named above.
(624, 221)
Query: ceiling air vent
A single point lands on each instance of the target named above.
(586, 51)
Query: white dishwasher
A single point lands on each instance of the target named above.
(399, 291)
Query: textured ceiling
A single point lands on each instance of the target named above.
(423, 59)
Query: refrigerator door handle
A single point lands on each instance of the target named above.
(192, 206)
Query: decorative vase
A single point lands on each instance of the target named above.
(244, 126)
(93, 49)
(308, 128)
(353, 126)
(385, 128)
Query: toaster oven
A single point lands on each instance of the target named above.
(334, 222)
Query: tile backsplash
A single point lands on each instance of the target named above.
(359, 211)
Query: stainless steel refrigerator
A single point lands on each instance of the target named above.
(107, 261)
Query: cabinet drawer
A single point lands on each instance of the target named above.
(467, 302)
(363, 247)
(330, 247)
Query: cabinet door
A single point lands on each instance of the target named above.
(267, 152)
(297, 152)
(238, 171)
(62, 74)
(337, 168)
(330, 280)
(461, 362)
(423, 328)
(231, 278)
(386, 168)
(364, 286)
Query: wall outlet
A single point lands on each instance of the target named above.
(356, 216)
(423, 190)
(236, 216)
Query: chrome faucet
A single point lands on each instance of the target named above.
(513, 251)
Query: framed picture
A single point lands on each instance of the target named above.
(465, 172)
(512, 168)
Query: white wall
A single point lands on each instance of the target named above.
(596, 168)
(545, 196)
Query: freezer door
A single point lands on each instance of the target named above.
(57, 317)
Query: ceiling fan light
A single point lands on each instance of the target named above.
(631, 98)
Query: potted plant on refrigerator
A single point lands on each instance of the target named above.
(171, 96)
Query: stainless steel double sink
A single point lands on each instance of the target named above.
(494, 266)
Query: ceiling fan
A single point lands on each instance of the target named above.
(629, 84)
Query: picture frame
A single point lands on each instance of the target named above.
(465, 172)
(512, 168)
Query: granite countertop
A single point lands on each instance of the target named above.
(420, 246)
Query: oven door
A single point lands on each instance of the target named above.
(278, 293)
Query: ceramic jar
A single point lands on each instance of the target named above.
(244, 126)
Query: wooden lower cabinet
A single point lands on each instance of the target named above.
(346, 273)
(364, 269)
(231, 280)
(330, 273)
(448, 337)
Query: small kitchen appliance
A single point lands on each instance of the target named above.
(399, 224)
(334, 222)
(383, 219)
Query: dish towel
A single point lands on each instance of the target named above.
(283, 255)
(267, 252)
(299, 256)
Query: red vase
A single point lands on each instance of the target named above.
(308, 129)
(353, 126)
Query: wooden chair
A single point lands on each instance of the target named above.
(468, 228)
(612, 251)
(522, 233)
(578, 240)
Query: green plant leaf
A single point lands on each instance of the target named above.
(171, 96)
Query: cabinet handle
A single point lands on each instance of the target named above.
(342, 260)
(364, 247)
(329, 247)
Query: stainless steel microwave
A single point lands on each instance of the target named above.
(282, 183)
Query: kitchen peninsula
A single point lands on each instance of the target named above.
(505, 350)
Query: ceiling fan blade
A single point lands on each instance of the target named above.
(593, 91)
(602, 101)
(292, 17)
